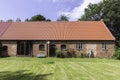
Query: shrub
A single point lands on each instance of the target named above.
(81, 54)
(65, 53)
(84, 55)
(117, 53)
(69, 53)
(78, 54)
(58, 53)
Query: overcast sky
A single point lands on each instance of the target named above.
(52, 9)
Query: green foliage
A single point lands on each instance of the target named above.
(63, 18)
(61, 53)
(1, 20)
(109, 11)
(81, 54)
(10, 20)
(69, 53)
(27, 20)
(117, 53)
(48, 20)
(18, 20)
(37, 18)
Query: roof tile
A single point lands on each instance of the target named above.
(81, 30)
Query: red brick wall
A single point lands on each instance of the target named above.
(12, 47)
(105, 53)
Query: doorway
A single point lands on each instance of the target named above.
(24, 48)
(5, 51)
(52, 50)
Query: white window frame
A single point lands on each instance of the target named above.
(79, 46)
(104, 46)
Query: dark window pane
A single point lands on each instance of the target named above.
(63, 47)
(41, 47)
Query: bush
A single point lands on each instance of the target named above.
(58, 53)
(69, 53)
(82, 54)
(64, 54)
(117, 53)
(61, 53)
(78, 54)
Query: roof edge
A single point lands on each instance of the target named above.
(107, 29)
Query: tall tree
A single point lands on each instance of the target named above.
(1, 20)
(18, 20)
(48, 20)
(38, 18)
(109, 11)
(63, 18)
(27, 20)
(10, 20)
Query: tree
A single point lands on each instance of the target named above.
(48, 20)
(18, 20)
(38, 18)
(27, 20)
(63, 18)
(109, 11)
(1, 20)
(10, 20)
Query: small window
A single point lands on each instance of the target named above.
(41, 47)
(79, 46)
(104, 46)
(63, 47)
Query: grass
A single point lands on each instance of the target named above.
(25, 68)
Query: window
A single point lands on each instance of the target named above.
(63, 47)
(79, 46)
(41, 47)
(104, 46)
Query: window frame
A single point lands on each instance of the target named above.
(104, 46)
(79, 46)
(41, 47)
(65, 47)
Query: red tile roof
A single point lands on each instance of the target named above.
(3, 27)
(81, 30)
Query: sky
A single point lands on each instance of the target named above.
(51, 9)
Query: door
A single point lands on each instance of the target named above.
(24, 48)
(52, 50)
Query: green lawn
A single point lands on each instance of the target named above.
(17, 68)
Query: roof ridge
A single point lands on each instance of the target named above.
(50, 22)
(107, 29)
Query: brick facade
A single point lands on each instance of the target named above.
(12, 48)
(87, 46)
(36, 48)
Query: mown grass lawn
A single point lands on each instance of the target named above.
(26, 68)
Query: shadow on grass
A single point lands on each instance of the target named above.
(22, 75)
